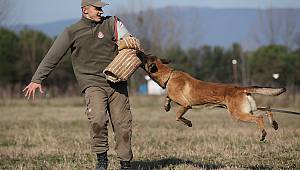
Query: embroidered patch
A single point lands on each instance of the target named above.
(100, 35)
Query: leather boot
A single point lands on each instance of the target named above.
(102, 161)
(125, 165)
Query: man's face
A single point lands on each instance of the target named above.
(93, 13)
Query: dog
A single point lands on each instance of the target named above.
(188, 91)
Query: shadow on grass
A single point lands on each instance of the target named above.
(169, 162)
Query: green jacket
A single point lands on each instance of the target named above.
(92, 47)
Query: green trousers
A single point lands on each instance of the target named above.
(110, 103)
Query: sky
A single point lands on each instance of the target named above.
(43, 11)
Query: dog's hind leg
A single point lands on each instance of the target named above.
(247, 117)
(167, 104)
(181, 111)
(241, 108)
(271, 120)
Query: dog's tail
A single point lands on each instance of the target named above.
(265, 90)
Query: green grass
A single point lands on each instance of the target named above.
(53, 134)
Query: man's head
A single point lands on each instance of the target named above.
(92, 9)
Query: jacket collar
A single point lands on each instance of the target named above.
(89, 21)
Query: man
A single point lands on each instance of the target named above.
(92, 42)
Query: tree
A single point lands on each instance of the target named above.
(33, 47)
(297, 68)
(179, 59)
(297, 41)
(217, 65)
(273, 59)
(9, 45)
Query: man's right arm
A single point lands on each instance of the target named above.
(50, 61)
(52, 58)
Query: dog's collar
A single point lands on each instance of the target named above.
(165, 84)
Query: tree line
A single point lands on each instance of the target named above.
(20, 55)
(271, 65)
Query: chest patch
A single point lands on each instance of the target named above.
(100, 35)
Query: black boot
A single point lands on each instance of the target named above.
(125, 165)
(102, 161)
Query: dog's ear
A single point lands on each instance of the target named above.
(165, 61)
(153, 68)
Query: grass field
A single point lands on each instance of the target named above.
(53, 134)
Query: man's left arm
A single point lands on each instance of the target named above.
(120, 30)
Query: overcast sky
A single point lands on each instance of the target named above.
(43, 11)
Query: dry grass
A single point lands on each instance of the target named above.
(53, 134)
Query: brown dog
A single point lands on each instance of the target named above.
(187, 91)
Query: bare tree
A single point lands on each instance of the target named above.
(292, 28)
(267, 27)
(161, 28)
(277, 26)
(3, 10)
(297, 40)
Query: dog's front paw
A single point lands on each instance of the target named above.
(188, 123)
(264, 134)
(167, 107)
(275, 125)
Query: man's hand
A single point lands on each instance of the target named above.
(129, 43)
(30, 89)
